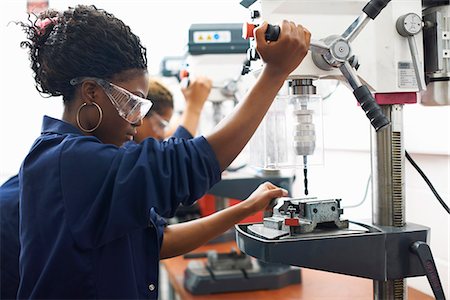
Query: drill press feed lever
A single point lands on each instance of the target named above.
(335, 52)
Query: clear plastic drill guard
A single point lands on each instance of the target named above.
(290, 134)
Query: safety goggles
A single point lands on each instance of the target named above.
(130, 107)
(160, 122)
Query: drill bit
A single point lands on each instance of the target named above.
(305, 173)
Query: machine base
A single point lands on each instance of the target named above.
(200, 279)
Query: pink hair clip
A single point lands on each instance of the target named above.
(41, 24)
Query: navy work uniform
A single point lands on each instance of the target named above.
(182, 133)
(9, 242)
(90, 212)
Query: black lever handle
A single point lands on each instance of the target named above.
(272, 32)
(374, 7)
(423, 251)
(371, 108)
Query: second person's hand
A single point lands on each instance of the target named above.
(197, 93)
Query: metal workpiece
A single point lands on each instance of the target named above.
(380, 253)
(388, 204)
(301, 215)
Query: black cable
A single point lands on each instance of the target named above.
(428, 182)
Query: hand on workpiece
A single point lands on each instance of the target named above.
(197, 232)
(284, 55)
(260, 199)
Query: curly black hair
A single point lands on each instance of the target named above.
(81, 41)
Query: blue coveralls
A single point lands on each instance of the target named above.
(90, 212)
(9, 242)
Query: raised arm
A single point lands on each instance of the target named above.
(281, 58)
(195, 95)
(198, 232)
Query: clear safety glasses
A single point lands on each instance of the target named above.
(161, 124)
(130, 107)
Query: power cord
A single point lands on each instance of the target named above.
(365, 195)
(428, 182)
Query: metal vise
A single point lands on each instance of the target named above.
(303, 215)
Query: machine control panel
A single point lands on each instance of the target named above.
(216, 39)
(212, 36)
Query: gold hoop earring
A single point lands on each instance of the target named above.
(99, 121)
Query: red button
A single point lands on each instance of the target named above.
(184, 73)
(247, 30)
(291, 222)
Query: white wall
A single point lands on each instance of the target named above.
(162, 26)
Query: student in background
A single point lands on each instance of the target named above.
(156, 123)
(92, 201)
